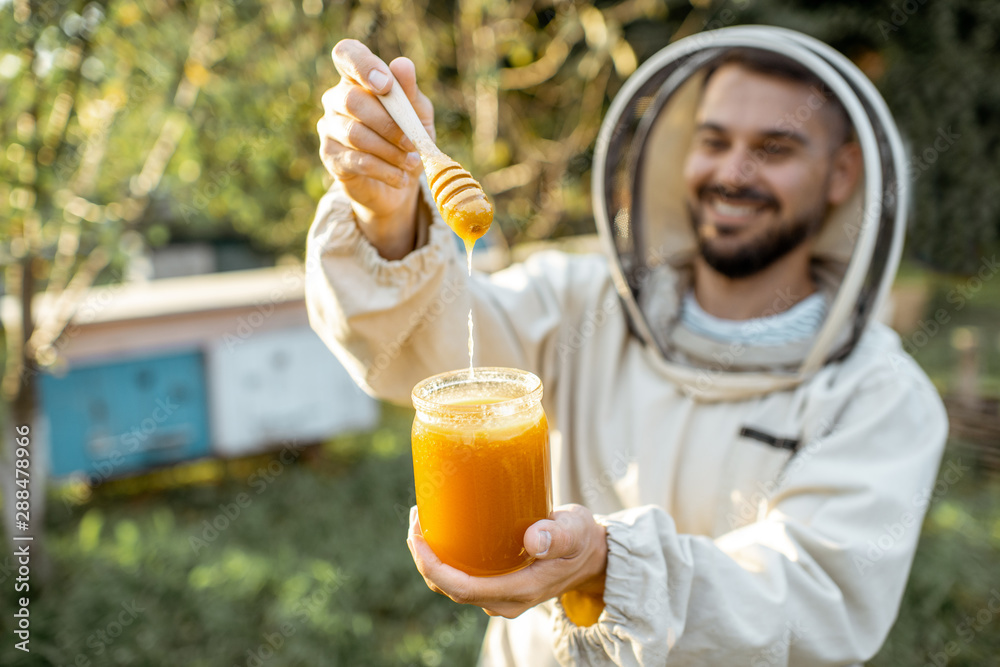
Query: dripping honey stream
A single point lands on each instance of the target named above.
(457, 195)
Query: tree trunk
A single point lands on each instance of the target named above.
(23, 407)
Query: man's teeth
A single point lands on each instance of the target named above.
(734, 211)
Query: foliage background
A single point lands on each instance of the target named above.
(88, 88)
(130, 124)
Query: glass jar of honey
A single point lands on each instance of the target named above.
(481, 466)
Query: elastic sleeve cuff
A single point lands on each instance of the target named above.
(336, 234)
(630, 629)
(573, 642)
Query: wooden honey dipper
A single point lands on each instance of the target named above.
(459, 197)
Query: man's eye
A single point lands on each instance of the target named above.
(713, 143)
(777, 149)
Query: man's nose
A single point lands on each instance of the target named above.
(736, 168)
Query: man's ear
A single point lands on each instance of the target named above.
(845, 171)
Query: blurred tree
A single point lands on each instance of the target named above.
(79, 88)
(131, 123)
(521, 88)
(934, 62)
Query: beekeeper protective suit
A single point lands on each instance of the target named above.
(762, 503)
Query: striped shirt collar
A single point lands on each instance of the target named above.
(798, 323)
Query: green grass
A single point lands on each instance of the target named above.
(956, 302)
(315, 563)
(953, 579)
(314, 569)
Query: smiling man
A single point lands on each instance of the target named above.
(740, 451)
(758, 189)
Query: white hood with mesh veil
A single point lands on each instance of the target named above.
(639, 206)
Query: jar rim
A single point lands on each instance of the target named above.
(423, 391)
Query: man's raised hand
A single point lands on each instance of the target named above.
(363, 148)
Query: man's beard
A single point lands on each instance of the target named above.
(757, 254)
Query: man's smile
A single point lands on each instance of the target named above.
(735, 209)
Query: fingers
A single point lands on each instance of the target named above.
(356, 62)
(354, 96)
(353, 134)
(563, 535)
(424, 558)
(575, 558)
(355, 104)
(345, 163)
(406, 75)
(493, 594)
(358, 137)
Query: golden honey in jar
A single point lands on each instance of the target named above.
(481, 466)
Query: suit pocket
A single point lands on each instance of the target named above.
(754, 471)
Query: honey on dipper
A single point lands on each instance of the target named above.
(459, 197)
